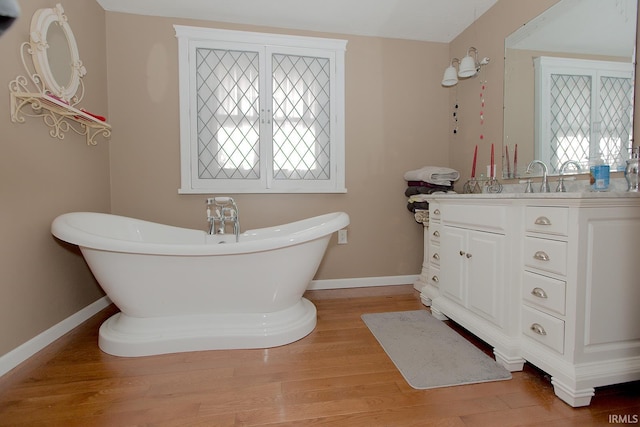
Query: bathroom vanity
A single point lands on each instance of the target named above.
(550, 279)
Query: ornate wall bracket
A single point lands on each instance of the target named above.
(42, 94)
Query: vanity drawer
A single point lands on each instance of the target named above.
(547, 255)
(434, 233)
(434, 276)
(434, 211)
(434, 259)
(548, 220)
(544, 292)
(482, 217)
(543, 328)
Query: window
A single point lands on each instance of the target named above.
(260, 113)
(585, 111)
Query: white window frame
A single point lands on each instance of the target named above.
(192, 38)
(545, 67)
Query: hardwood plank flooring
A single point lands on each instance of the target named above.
(338, 375)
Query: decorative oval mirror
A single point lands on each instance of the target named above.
(55, 53)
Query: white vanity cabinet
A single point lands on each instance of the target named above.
(475, 274)
(580, 316)
(551, 279)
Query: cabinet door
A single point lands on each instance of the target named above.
(485, 275)
(452, 263)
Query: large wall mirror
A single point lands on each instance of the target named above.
(569, 83)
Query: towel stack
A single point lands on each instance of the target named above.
(428, 180)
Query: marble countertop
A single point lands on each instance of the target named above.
(553, 195)
(575, 190)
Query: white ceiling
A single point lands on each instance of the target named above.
(426, 20)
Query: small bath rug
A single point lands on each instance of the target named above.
(428, 353)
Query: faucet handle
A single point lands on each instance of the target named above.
(561, 188)
(529, 187)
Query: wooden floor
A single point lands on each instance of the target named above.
(338, 375)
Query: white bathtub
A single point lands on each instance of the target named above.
(181, 289)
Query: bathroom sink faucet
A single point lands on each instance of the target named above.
(544, 185)
(560, 188)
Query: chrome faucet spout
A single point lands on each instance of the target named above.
(221, 210)
(563, 168)
(544, 185)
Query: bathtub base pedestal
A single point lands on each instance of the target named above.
(122, 335)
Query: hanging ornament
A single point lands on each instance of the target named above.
(482, 103)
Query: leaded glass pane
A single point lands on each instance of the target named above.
(301, 117)
(616, 112)
(227, 87)
(570, 119)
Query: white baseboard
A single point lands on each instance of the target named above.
(37, 343)
(362, 282)
(34, 345)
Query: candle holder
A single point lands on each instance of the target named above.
(472, 186)
(493, 186)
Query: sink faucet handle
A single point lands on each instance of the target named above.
(529, 187)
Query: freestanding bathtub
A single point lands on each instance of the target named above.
(181, 289)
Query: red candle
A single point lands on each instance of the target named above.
(475, 157)
(492, 162)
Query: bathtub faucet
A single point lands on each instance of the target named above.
(220, 211)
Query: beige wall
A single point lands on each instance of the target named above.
(487, 34)
(42, 281)
(394, 123)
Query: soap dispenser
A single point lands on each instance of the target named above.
(600, 173)
(631, 171)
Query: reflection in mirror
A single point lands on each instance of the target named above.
(569, 86)
(59, 55)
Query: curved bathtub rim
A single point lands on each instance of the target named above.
(63, 228)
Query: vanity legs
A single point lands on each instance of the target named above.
(510, 363)
(572, 396)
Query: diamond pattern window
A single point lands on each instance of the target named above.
(585, 111)
(260, 113)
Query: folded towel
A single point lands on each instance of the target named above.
(410, 191)
(433, 174)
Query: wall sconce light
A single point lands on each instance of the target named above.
(469, 66)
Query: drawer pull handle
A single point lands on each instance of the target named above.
(435, 279)
(468, 255)
(436, 233)
(542, 220)
(538, 329)
(436, 212)
(462, 253)
(436, 256)
(539, 292)
(541, 256)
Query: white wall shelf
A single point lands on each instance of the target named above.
(58, 115)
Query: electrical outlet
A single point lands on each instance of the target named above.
(342, 237)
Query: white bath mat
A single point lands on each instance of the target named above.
(428, 353)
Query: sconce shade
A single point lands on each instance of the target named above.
(467, 67)
(9, 12)
(450, 76)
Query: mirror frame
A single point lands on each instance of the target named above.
(40, 23)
